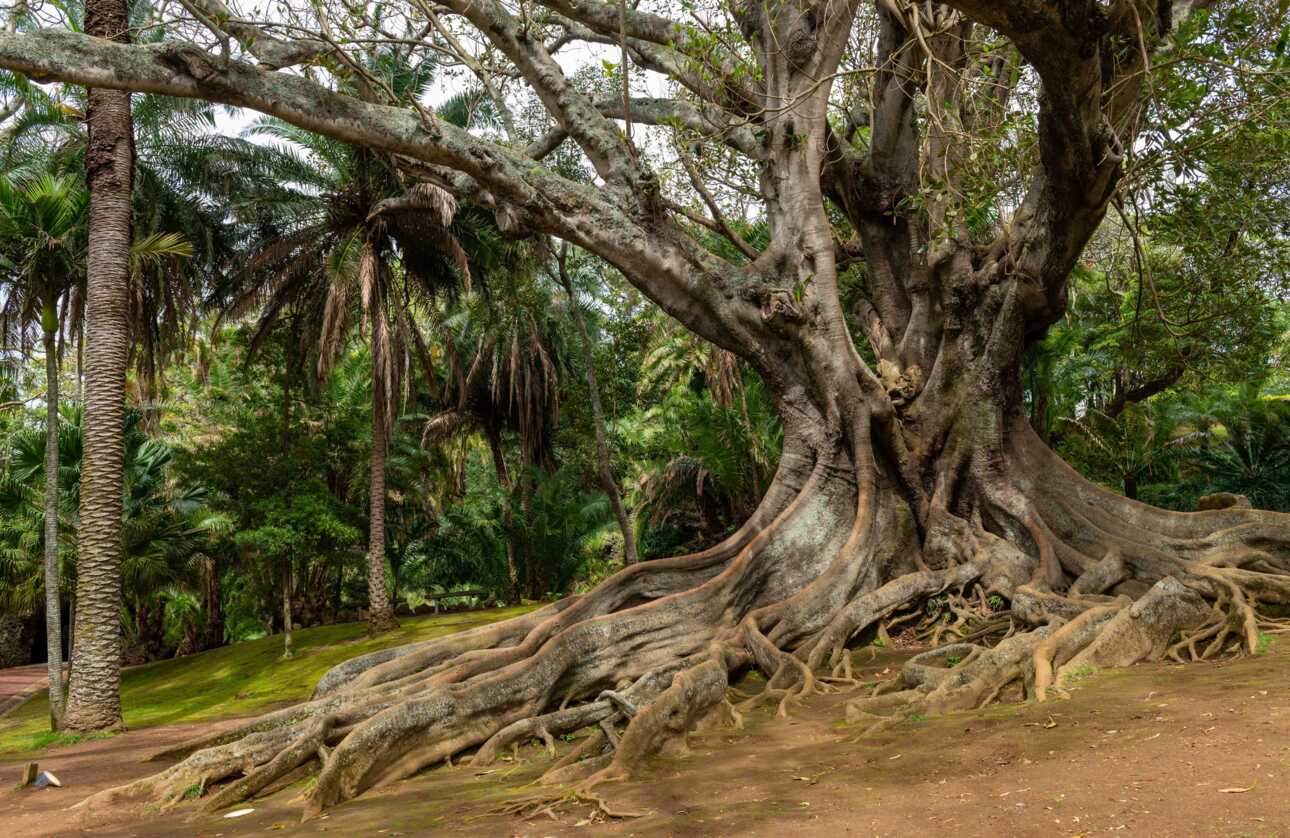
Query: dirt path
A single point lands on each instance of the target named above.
(1154, 750)
(19, 682)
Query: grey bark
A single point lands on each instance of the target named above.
(288, 649)
(53, 604)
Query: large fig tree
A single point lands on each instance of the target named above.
(950, 161)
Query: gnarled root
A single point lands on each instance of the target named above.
(697, 696)
(1072, 580)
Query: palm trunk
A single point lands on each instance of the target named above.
(604, 472)
(53, 606)
(80, 363)
(380, 615)
(534, 573)
(71, 628)
(211, 633)
(94, 700)
(504, 480)
(287, 649)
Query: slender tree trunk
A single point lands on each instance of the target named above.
(211, 634)
(287, 649)
(94, 700)
(1131, 486)
(535, 574)
(504, 480)
(53, 604)
(605, 473)
(380, 615)
(71, 627)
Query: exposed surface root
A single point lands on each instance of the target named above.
(1018, 584)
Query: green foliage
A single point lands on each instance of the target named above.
(704, 466)
(167, 524)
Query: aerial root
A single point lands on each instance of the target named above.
(557, 723)
(550, 803)
(782, 665)
(958, 677)
(697, 694)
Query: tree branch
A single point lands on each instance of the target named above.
(687, 281)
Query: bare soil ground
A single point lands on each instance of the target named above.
(18, 682)
(1154, 750)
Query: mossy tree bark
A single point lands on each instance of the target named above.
(915, 477)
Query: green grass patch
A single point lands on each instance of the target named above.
(1080, 673)
(49, 738)
(239, 679)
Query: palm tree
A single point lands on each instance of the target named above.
(94, 696)
(503, 356)
(345, 248)
(42, 227)
(166, 524)
(1250, 452)
(1144, 442)
(135, 296)
(177, 181)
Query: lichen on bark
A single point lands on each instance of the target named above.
(913, 477)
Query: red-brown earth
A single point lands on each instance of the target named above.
(1160, 750)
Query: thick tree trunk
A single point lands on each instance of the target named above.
(80, 364)
(603, 470)
(53, 586)
(380, 615)
(94, 700)
(877, 504)
(920, 478)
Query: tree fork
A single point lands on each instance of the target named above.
(914, 478)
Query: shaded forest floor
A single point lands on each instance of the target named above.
(1155, 749)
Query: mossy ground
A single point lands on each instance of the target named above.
(237, 680)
